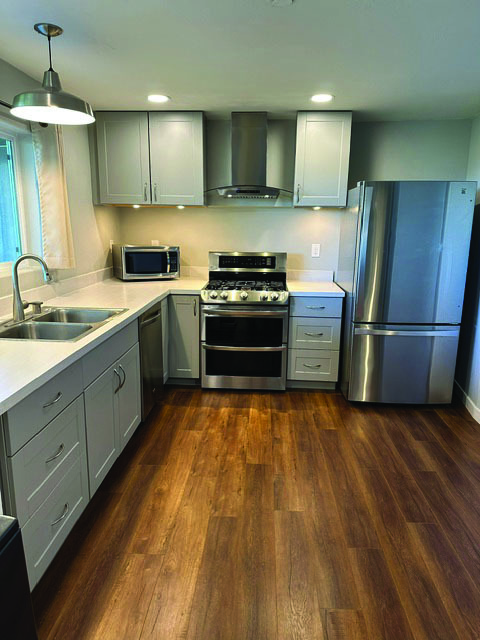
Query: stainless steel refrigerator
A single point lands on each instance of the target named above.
(403, 260)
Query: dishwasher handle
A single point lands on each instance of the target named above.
(151, 320)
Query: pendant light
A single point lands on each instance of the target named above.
(51, 104)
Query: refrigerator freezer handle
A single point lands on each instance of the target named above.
(424, 334)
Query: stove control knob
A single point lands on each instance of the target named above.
(243, 295)
(224, 295)
(213, 294)
(264, 296)
(274, 296)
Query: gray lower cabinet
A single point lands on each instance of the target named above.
(165, 339)
(184, 336)
(112, 413)
(314, 339)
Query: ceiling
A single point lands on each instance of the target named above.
(384, 59)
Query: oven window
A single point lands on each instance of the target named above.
(266, 364)
(236, 331)
(145, 262)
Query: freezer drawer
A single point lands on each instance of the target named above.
(408, 365)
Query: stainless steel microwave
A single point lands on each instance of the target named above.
(136, 262)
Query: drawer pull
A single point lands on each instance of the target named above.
(57, 454)
(66, 509)
(49, 404)
(314, 306)
(312, 366)
(308, 333)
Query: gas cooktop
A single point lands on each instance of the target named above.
(246, 278)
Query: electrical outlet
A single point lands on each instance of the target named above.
(155, 243)
(111, 244)
(315, 250)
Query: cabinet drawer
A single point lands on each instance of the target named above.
(306, 364)
(98, 360)
(314, 333)
(316, 307)
(39, 466)
(29, 416)
(45, 532)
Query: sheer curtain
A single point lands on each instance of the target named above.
(57, 241)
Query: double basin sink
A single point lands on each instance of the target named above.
(59, 324)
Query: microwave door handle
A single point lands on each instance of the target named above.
(168, 261)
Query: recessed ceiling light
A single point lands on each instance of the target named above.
(280, 3)
(158, 97)
(180, 206)
(136, 206)
(322, 97)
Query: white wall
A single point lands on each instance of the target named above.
(92, 227)
(413, 150)
(468, 364)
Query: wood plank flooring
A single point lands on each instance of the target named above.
(286, 516)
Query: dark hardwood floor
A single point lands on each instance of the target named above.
(251, 516)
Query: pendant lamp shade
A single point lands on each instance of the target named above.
(51, 104)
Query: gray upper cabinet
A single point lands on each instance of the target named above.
(123, 157)
(184, 336)
(321, 160)
(176, 158)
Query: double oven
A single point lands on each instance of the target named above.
(244, 325)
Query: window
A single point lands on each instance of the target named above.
(10, 234)
(20, 226)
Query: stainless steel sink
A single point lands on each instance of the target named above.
(44, 331)
(72, 314)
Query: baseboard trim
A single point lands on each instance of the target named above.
(471, 407)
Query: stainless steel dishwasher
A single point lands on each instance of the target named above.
(151, 357)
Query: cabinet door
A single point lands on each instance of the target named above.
(321, 160)
(184, 336)
(129, 405)
(123, 157)
(165, 338)
(101, 420)
(176, 157)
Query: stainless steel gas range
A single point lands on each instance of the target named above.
(244, 321)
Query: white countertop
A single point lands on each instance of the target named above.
(27, 364)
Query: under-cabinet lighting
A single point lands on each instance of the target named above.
(180, 206)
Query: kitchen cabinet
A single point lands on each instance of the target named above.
(184, 336)
(123, 157)
(321, 159)
(176, 158)
(314, 339)
(148, 158)
(165, 341)
(112, 413)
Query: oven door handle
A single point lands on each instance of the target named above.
(245, 314)
(211, 347)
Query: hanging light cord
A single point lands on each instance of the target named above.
(50, 53)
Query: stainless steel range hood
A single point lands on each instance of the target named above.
(243, 150)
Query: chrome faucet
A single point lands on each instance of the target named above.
(18, 304)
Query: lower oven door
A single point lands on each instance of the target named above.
(244, 347)
(244, 367)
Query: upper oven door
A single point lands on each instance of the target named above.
(244, 326)
(149, 263)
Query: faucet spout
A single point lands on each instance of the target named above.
(18, 305)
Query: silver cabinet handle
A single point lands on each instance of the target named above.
(119, 381)
(66, 509)
(124, 375)
(194, 306)
(308, 333)
(54, 401)
(57, 454)
(312, 366)
(155, 192)
(313, 306)
(298, 193)
(145, 192)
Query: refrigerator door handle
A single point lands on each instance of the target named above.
(424, 334)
